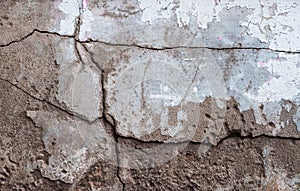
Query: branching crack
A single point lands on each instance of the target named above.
(110, 119)
(106, 117)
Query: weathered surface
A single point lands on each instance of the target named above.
(19, 18)
(48, 67)
(21, 143)
(225, 23)
(73, 145)
(236, 164)
(79, 81)
(149, 95)
(168, 91)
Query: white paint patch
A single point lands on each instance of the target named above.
(262, 89)
(71, 10)
(284, 83)
(203, 10)
(181, 115)
(274, 21)
(156, 9)
(288, 107)
(171, 100)
(88, 18)
(78, 145)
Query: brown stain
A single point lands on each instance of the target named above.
(272, 186)
(231, 60)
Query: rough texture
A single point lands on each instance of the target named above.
(235, 164)
(73, 145)
(20, 18)
(149, 95)
(21, 142)
(170, 89)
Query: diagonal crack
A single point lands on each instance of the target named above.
(48, 102)
(78, 52)
(19, 40)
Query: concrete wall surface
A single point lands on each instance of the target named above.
(149, 95)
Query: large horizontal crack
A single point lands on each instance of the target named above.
(153, 47)
(230, 135)
(234, 134)
(187, 47)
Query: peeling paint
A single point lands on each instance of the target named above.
(154, 90)
(73, 145)
(274, 22)
(71, 10)
(263, 86)
(183, 10)
(149, 73)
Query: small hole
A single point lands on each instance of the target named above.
(208, 116)
(272, 124)
(226, 125)
(261, 107)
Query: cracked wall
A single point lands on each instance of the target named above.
(149, 95)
